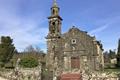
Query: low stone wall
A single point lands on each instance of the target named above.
(22, 74)
(101, 76)
(35, 74)
(105, 78)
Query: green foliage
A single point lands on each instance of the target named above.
(112, 54)
(106, 57)
(30, 57)
(109, 55)
(6, 49)
(29, 62)
(112, 70)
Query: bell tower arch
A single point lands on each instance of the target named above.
(55, 21)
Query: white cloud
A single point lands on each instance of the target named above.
(108, 33)
(99, 29)
(24, 34)
(105, 24)
(24, 31)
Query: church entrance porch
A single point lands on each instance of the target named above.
(71, 76)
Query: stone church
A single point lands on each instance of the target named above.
(73, 51)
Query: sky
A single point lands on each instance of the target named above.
(25, 21)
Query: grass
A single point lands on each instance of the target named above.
(112, 70)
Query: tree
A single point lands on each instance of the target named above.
(30, 57)
(6, 49)
(112, 54)
(118, 54)
(109, 58)
(31, 49)
(106, 57)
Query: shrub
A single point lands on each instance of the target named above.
(29, 62)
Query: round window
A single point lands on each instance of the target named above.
(73, 41)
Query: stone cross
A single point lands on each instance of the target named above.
(55, 1)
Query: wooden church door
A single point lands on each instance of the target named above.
(75, 62)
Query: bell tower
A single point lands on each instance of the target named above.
(54, 39)
(55, 21)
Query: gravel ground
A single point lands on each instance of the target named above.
(2, 78)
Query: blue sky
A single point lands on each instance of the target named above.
(26, 20)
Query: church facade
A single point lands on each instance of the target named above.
(73, 51)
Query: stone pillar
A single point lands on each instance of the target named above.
(66, 63)
(69, 63)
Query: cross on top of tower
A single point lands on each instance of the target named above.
(55, 3)
(54, 0)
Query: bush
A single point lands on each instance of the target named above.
(29, 62)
